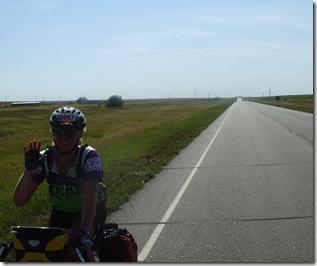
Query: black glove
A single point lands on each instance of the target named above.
(32, 159)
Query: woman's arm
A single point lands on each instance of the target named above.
(89, 204)
(24, 189)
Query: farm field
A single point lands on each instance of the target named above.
(134, 143)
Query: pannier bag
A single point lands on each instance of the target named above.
(43, 244)
(116, 244)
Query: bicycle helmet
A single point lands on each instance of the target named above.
(68, 116)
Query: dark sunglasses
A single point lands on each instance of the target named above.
(65, 133)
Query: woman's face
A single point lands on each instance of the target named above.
(65, 139)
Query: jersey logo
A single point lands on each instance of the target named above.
(65, 190)
(93, 164)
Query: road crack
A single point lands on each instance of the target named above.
(220, 220)
(239, 165)
(297, 134)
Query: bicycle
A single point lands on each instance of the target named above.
(50, 244)
(41, 244)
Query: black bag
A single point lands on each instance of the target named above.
(116, 244)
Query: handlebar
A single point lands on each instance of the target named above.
(4, 251)
(82, 250)
(86, 255)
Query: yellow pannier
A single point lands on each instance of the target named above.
(42, 244)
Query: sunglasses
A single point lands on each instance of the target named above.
(66, 133)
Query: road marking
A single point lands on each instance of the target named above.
(159, 228)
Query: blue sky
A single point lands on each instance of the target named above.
(66, 49)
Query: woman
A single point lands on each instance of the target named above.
(74, 173)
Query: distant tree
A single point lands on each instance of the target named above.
(114, 101)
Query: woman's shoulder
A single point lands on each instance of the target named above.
(92, 162)
(89, 151)
(87, 148)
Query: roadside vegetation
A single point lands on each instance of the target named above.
(134, 142)
(304, 103)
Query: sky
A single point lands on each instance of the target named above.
(139, 49)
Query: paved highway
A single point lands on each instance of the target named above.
(242, 191)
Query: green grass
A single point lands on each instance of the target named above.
(304, 103)
(134, 143)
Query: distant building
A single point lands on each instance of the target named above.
(82, 100)
(24, 103)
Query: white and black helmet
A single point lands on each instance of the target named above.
(68, 116)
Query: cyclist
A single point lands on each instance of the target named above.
(77, 199)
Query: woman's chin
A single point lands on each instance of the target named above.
(65, 147)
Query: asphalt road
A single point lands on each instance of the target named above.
(240, 192)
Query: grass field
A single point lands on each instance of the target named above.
(134, 143)
(303, 103)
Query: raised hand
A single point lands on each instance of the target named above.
(32, 157)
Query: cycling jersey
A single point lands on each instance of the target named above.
(66, 193)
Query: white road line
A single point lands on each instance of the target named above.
(156, 233)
